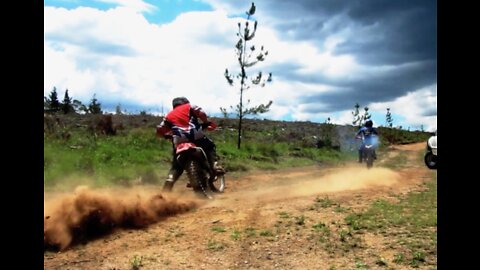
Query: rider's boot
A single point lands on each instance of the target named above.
(168, 185)
(360, 156)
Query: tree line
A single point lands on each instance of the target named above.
(51, 104)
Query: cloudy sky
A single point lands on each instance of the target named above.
(325, 56)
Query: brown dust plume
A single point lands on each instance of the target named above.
(88, 214)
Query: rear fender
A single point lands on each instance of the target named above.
(181, 147)
(188, 148)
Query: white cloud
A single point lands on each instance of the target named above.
(185, 57)
(412, 107)
(119, 55)
(135, 5)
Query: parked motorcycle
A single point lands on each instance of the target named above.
(431, 154)
(202, 178)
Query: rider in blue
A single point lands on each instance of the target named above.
(368, 134)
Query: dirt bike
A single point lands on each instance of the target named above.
(368, 150)
(202, 178)
(431, 154)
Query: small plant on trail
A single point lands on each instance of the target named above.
(344, 233)
(136, 262)
(324, 202)
(214, 245)
(318, 226)
(300, 220)
(381, 262)
(250, 232)
(218, 229)
(399, 258)
(361, 265)
(418, 257)
(266, 233)
(235, 235)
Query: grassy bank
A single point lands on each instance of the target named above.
(99, 151)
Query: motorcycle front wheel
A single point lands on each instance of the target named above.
(368, 156)
(431, 160)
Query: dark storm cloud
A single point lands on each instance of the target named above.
(378, 86)
(385, 31)
(398, 34)
(432, 111)
(404, 31)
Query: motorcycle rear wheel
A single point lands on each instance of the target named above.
(197, 177)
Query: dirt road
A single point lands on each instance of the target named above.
(265, 220)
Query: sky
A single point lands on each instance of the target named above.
(325, 56)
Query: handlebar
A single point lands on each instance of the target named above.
(209, 126)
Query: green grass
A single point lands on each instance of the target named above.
(106, 160)
(236, 234)
(214, 245)
(218, 229)
(74, 154)
(410, 224)
(136, 262)
(119, 159)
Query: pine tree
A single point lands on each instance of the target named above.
(53, 105)
(244, 61)
(66, 105)
(357, 118)
(366, 115)
(118, 110)
(94, 107)
(389, 118)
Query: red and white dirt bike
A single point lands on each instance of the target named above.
(201, 176)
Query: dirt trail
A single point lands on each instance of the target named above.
(262, 221)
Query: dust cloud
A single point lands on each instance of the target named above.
(348, 178)
(88, 214)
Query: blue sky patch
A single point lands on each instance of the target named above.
(72, 4)
(165, 10)
(168, 10)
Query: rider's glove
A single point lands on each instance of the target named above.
(209, 126)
